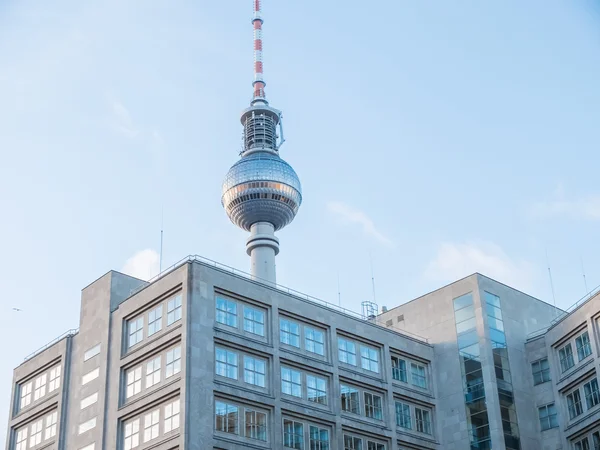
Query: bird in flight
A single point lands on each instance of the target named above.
(17, 309)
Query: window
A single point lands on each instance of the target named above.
(371, 445)
(548, 417)
(369, 358)
(36, 433)
(153, 372)
(592, 397)
(51, 420)
(155, 320)
(54, 379)
(403, 418)
(314, 341)
(584, 349)
(291, 382)
(541, 371)
(87, 426)
(227, 364)
(398, 369)
(226, 312)
(26, 396)
(90, 400)
(373, 406)
(346, 351)
(319, 438)
(316, 389)
(255, 425)
(21, 439)
(174, 310)
(254, 321)
(91, 352)
(173, 362)
(226, 418)
(350, 402)
(151, 421)
(418, 376)
(289, 333)
(352, 443)
(423, 420)
(90, 376)
(171, 416)
(596, 440)
(134, 382)
(39, 387)
(574, 404)
(583, 444)
(254, 371)
(132, 434)
(293, 434)
(135, 329)
(566, 358)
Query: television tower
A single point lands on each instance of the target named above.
(261, 192)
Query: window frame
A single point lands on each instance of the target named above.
(594, 394)
(541, 371)
(548, 416)
(26, 393)
(414, 375)
(153, 377)
(573, 394)
(154, 426)
(241, 424)
(172, 416)
(311, 334)
(174, 309)
(135, 331)
(132, 436)
(50, 425)
(291, 336)
(372, 406)
(426, 420)
(175, 364)
(583, 346)
(397, 369)
(134, 381)
(219, 312)
(252, 320)
(226, 363)
(155, 319)
(568, 357)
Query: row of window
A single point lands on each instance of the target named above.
(584, 443)
(39, 431)
(576, 406)
(250, 423)
(151, 425)
(151, 372)
(583, 348)
(312, 339)
(135, 327)
(44, 384)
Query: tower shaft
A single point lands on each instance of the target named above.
(263, 246)
(259, 82)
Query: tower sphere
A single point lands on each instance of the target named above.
(261, 187)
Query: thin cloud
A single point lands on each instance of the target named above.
(143, 265)
(586, 208)
(122, 121)
(349, 214)
(457, 260)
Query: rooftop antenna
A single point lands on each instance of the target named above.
(551, 282)
(584, 279)
(162, 220)
(339, 292)
(372, 277)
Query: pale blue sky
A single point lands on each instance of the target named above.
(442, 137)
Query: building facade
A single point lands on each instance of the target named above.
(205, 358)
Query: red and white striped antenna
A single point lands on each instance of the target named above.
(259, 82)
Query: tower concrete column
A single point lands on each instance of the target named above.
(262, 246)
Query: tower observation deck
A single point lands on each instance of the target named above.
(261, 192)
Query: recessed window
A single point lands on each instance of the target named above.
(583, 444)
(50, 430)
(155, 320)
(256, 425)
(291, 382)
(174, 310)
(226, 417)
(151, 425)
(226, 312)
(352, 443)
(90, 376)
(26, 394)
(418, 375)
(293, 434)
(135, 329)
(592, 396)
(350, 401)
(254, 371)
(153, 372)
(373, 406)
(39, 387)
(316, 389)
(254, 321)
(87, 426)
(226, 363)
(369, 358)
(95, 350)
(171, 416)
(584, 349)
(548, 417)
(565, 355)
(134, 382)
(319, 438)
(54, 382)
(403, 417)
(36, 433)
(423, 420)
(574, 404)
(132, 434)
(314, 340)
(173, 362)
(347, 351)
(372, 445)
(289, 333)
(541, 371)
(90, 400)
(399, 369)
(21, 443)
